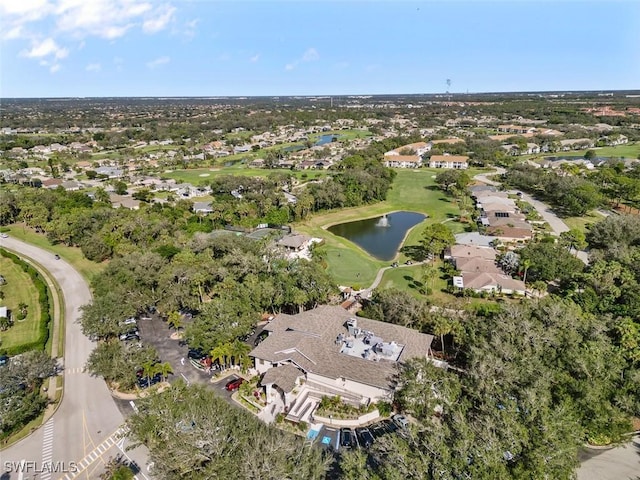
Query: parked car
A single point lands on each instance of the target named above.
(234, 384)
(146, 382)
(389, 426)
(196, 354)
(364, 437)
(130, 335)
(347, 438)
(4, 360)
(401, 421)
(129, 321)
(378, 430)
(56, 256)
(4, 235)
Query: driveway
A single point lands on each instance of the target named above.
(87, 417)
(621, 463)
(555, 222)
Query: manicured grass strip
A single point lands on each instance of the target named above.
(19, 289)
(581, 223)
(73, 255)
(14, 344)
(197, 176)
(413, 190)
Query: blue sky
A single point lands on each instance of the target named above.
(60, 48)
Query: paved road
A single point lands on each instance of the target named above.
(555, 222)
(621, 463)
(88, 415)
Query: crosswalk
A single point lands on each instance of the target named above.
(47, 448)
(70, 371)
(116, 438)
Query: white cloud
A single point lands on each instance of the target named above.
(93, 67)
(158, 61)
(54, 68)
(311, 55)
(162, 17)
(52, 27)
(46, 48)
(22, 7)
(15, 32)
(255, 58)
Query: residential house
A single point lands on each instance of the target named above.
(110, 172)
(418, 148)
(490, 282)
(516, 129)
(52, 183)
(402, 161)
(446, 141)
(508, 234)
(470, 251)
(475, 239)
(72, 186)
(202, 207)
(449, 161)
(576, 144)
(294, 242)
(336, 354)
(121, 201)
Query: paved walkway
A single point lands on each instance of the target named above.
(620, 463)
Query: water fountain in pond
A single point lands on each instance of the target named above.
(383, 222)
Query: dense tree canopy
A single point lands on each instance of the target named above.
(192, 433)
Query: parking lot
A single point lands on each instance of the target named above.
(156, 333)
(330, 437)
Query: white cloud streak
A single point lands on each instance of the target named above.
(158, 62)
(309, 55)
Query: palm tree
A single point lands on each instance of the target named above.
(220, 353)
(148, 370)
(525, 264)
(164, 369)
(239, 352)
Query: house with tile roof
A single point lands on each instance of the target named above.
(331, 352)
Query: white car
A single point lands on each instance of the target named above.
(4, 235)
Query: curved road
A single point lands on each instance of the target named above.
(82, 429)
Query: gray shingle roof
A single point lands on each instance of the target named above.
(284, 376)
(309, 341)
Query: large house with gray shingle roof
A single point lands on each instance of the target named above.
(335, 353)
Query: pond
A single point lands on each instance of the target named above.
(324, 139)
(380, 237)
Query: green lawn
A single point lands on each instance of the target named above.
(73, 255)
(413, 191)
(19, 289)
(629, 150)
(200, 175)
(581, 223)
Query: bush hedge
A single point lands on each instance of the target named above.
(44, 296)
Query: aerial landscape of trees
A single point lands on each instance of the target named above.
(530, 380)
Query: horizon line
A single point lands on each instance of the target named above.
(444, 94)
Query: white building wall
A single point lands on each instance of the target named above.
(349, 386)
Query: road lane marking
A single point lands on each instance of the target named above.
(47, 448)
(97, 453)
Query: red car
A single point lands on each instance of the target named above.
(234, 384)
